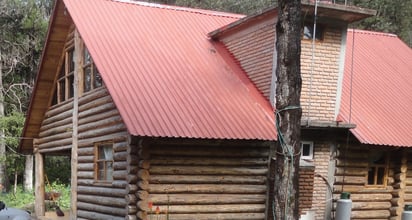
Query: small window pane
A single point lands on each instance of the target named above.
(97, 78)
(71, 60)
(371, 176)
(306, 150)
(86, 57)
(87, 79)
(71, 86)
(380, 175)
(62, 89)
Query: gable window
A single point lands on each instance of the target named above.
(308, 32)
(306, 149)
(377, 169)
(65, 80)
(104, 162)
(91, 76)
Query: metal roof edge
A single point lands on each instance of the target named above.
(181, 8)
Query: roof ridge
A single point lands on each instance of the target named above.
(181, 8)
(372, 32)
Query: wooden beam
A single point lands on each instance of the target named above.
(39, 207)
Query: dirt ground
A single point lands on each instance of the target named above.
(52, 216)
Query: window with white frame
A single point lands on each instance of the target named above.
(306, 149)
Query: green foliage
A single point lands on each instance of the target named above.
(12, 126)
(58, 169)
(25, 200)
(393, 16)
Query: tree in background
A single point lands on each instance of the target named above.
(23, 24)
(393, 16)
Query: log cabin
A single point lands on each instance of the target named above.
(167, 112)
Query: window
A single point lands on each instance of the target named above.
(308, 32)
(378, 168)
(64, 87)
(306, 148)
(104, 162)
(91, 76)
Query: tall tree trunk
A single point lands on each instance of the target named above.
(288, 110)
(2, 140)
(28, 174)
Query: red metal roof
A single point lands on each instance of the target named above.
(166, 77)
(380, 87)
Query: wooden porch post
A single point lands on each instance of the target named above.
(39, 206)
(78, 69)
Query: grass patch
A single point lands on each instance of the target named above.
(25, 200)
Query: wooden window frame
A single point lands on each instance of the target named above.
(98, 160)
(94, 72)
(311, 145)
(377, 166)
(320, 28)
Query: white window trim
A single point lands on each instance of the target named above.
(310, 156)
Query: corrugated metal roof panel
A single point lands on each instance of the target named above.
(165, 76)
(380, 86)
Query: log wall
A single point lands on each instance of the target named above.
(202, 181)
(369, 202)
(100, 121)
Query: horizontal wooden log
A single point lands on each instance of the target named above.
(131, 199)
(132, 179)
(131, 217)
(131, 188)
(219, 179)
(206, 188)
(207, 170)
(163, 160)
(87, 151)
(85, 174)
(119, 174)
(91, 182)
(97, 102)
(370, 214)
(352, 171)
(60, 148)
(120, 146)
(102, 191)
(56, 134)
(370, 205)
(58, 109)
(352, 163)
(89, 97)
(400, 177)
(107, 122)
(210, 152)
(94, 115)
(221, 208)
(353, 154)
(131, 209)
(102, 200)
(85, 159)
(350, 179)
(88, 141)
(120, 156)
(62, 115)
(120, 165)
(57, 143)
(94, 215)
(101, 132)
(371, 197)
(198, 199)
(101, 209)
(208, 216)
(85, 167)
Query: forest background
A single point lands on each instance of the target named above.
(23, 25)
